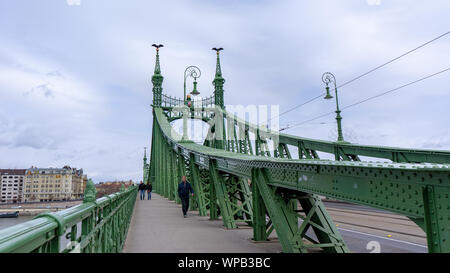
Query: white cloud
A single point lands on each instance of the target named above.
(73, 2)
(95, 67)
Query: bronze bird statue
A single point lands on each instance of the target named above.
(157, 46)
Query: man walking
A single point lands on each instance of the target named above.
(184, 188)
(142, 190)
(149, 191)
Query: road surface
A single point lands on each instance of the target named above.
(158, 226)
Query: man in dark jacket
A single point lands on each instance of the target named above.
(149, 191)
(184, 188)
(142, 188)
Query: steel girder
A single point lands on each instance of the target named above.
(182, 170)
(239, 198)
(222, 196)
(171, 178)
(280, 185)
(152, 170)
(308, 148)
(282, 151)
(196, 179)
(418, 191)
(342, 151)
(437, 217)
(284, 216)
(240, 192)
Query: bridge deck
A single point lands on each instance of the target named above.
(158, 226)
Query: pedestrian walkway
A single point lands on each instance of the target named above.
(158, 225)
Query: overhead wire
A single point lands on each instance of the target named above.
(368, 99)
(363, 75)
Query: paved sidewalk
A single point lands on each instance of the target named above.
(158, 226)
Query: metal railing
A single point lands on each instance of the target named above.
(168, 101)
(95, 226)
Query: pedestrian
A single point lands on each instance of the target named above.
(184, 188)
(142, 188)
(149, 191)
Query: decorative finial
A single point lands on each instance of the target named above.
(217, 50)
(157, 46)
(157, 66)
(90, 193)
(218, 68)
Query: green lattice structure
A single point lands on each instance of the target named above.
(95, 226)
(242, 182)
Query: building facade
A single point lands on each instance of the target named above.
(107, 188)
(53, 184)
(11, 186)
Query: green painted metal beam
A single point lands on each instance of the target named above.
(104, 226)
(390, 186)
(410, 186)
(282, 211)
(198, 188)
(221, 194)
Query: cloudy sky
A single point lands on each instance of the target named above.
(75, 75)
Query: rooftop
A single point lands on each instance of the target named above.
(12, 171)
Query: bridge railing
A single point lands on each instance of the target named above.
(170, 102)
(94, 226)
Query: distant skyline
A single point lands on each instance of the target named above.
(75, 84)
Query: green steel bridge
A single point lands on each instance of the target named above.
(240, 180)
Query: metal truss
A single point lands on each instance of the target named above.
(239, 179)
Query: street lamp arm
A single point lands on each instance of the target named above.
(193, 72)
(328, 78)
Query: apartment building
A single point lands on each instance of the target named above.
(53, 184)
(11, 185)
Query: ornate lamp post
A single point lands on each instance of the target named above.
(328, 78)
(193, 72)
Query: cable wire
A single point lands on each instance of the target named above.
(368, 99)
(362, 75)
